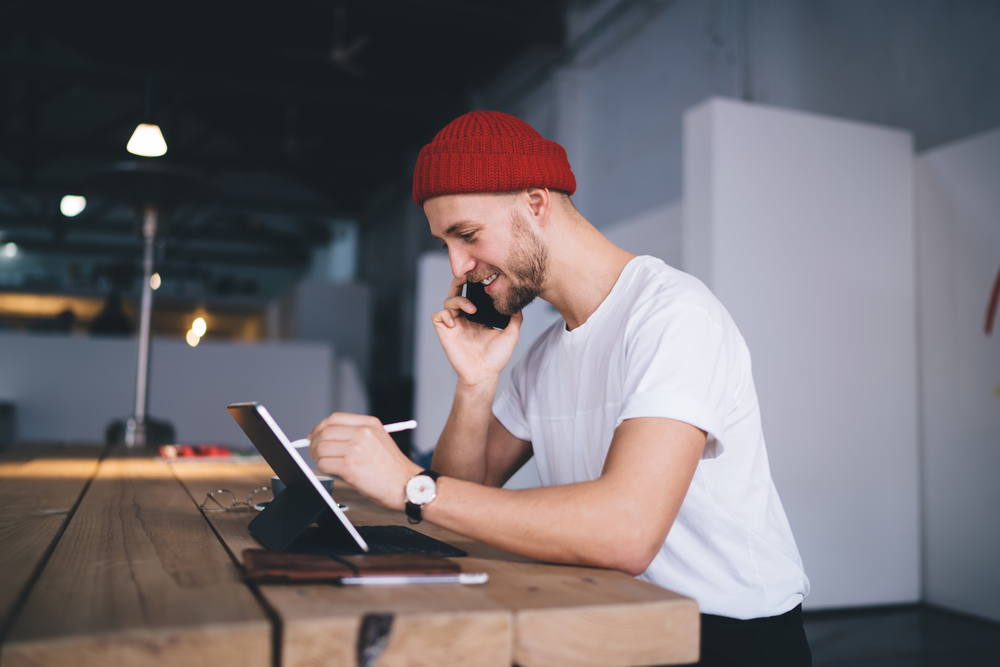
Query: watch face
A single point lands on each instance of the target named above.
(420, 489)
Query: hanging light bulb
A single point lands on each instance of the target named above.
(72, 205)
(147, 140)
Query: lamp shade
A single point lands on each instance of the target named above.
(147, 140)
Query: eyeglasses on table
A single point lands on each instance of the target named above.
(224, 500)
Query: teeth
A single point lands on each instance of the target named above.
(487, 281)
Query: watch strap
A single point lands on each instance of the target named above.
(412, 509)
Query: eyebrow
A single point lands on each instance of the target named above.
(451, 230)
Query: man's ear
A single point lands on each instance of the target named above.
(540, 204)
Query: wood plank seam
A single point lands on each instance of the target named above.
(47, 554)
(277, 631)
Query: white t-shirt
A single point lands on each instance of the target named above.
(661, 345)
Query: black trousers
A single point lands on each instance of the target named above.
(776, 641)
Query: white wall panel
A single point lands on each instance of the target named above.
(67, 388)
(433, 377)
(803, 227)
(70, 388)
(958, 222)
(192, 387)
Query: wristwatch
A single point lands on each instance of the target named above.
(420, 490)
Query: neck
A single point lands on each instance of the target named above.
(583, 268)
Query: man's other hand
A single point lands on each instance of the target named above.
(357, 449)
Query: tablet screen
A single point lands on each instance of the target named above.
(288, 465)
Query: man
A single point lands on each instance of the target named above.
(639, 407)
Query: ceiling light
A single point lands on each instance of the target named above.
(147, 140)
(199, 327)
(192, 338)
(72, 205)
(154, 281)
(9, 250)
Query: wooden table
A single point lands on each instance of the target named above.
(108, 561)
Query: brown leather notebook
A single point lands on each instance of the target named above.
(274, 567)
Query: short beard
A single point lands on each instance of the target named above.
(529, 265)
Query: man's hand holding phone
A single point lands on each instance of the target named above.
(486, 312)
(477, 352)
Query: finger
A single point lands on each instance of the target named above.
(355, 423)
(444, 317)
(328, 449)
(350, 419)
(343, 419)
(457, 303)
(318, 427)
(336, 433)
(456, 286)
(449, 318)
(329, 465)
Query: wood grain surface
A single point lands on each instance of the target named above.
(588, 616)
(39, 485)
(139, 577)
(553, 614)
(321, 624)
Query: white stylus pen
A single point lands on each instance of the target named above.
(389, 428)
(468, 579)
(400, 426)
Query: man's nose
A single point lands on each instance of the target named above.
(461, 263)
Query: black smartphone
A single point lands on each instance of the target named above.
(486, 313)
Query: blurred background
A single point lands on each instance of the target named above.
(828, 168)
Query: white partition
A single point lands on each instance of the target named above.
(192, 387)
(70, 388)
(433, 377)
(803, 227)
(958, 219)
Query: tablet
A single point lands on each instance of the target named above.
(289, 466)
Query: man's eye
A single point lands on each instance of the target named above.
(467, 237)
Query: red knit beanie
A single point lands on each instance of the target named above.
(489, 151)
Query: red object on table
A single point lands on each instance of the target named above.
(194, 451)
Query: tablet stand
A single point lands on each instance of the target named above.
(286, 517)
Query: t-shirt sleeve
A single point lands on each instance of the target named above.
(508, 406)
(677, 366)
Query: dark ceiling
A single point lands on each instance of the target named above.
(278, 116)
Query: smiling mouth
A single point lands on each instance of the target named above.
(488, 279)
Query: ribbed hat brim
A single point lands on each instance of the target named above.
(489, 156)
